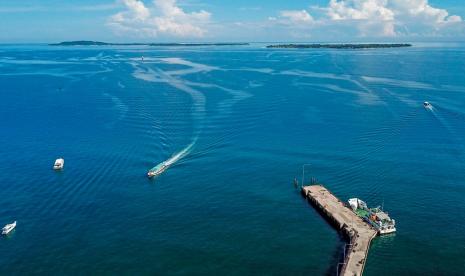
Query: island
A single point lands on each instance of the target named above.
(339, 46)
(99, 43)
(92, 43)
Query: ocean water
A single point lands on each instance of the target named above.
(236, 123)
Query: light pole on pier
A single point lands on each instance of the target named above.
(337, 268)
(345, 249)
(303, 173)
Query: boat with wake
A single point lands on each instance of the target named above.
(8, 228)
(427, 105)
(376, 217)
(159, 169)
(163, 166)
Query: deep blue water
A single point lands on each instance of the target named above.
(228, 206)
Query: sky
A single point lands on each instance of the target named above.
(43, 21)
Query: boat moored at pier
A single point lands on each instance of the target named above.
(376, 217)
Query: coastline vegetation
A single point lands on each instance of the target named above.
(339, 46)
(99, 43)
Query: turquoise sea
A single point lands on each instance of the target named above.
(238, 122)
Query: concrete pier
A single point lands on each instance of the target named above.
(344, 219)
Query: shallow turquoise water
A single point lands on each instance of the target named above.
(228, 205)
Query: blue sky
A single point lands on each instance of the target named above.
(239, 20)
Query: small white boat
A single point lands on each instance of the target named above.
(159, 169)
(427, 105)
(59, 163)
(8, 228)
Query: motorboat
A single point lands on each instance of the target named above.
(8, 228)
(427, 105)
(59, 163)
(376, 217)
(159, 169)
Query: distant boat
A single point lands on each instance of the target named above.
(59, 163)
(8, 228)
(427, 105)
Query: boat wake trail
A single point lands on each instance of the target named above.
(198, 109)
(160, 168)
(457, 138)
(441, 121)
(150, 71)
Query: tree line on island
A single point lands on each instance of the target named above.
(99, 43)
(340, 46)
(284, 46)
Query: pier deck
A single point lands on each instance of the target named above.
(359, 232)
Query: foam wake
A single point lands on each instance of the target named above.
(173, 159)
(445, 124)
(148, 71)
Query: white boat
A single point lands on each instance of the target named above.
(8, 228)
(376, 217)
(386, 224)
(59, 163)
(427, 105)
(356, 203)
(159, 169)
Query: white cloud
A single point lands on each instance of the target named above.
(374, 18)
(371, 17)
(164, 17)
(137, 9)
(360, 10)
(297, 16)
(421, 10)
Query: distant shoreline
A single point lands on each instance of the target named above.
(339, 46)
(99, 43)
